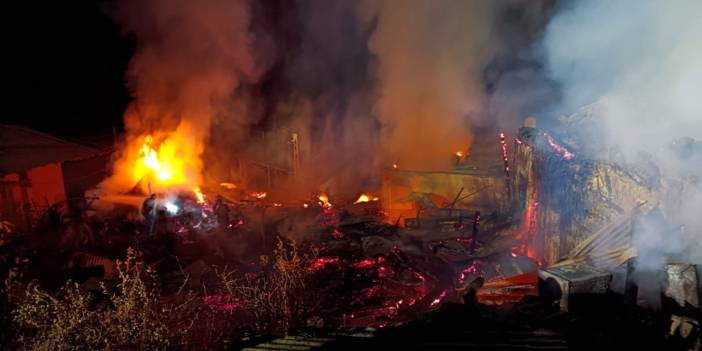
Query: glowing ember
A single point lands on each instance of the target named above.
(305, 205)
(368, 262)
(505, 159)
(505, 153)
(337, 234)
(321, 262)
(470, 270)
(438, 299)
(365, 198)
(459, 154)
(258, 195)
(567, 155)
(394, 165)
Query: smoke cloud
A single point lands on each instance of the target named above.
(430, 61)
(644, 63)
(364, 85)
(332, 91)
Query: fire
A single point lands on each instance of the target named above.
(228, 186)
(459, 154)
(150, 162)
(258, 195)
(199, 195)
(505, 160)
(167, 165)
(365, 198)
(324, 200)
(560, 150)
(438, 299)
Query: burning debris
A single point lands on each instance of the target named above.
(262, 204)
(484, 245)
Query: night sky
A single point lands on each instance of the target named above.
(63, 67)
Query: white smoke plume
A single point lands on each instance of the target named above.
(644, 59)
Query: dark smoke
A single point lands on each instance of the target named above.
(364, 84)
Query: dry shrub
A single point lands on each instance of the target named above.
(130, 317)
(136, 316)
(275, 300)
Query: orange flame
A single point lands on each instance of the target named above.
(199, 195)
(324, 200)
(166, 166)
(365, 198)
(258, 195)
(163, 161)
(229, 186)
(162, 166)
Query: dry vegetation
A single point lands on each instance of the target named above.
(275, 300)
(136, 314)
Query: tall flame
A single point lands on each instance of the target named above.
(159, 162)
(166, 168)
(150, 163)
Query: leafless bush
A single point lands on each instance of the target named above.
(132, 316)
(274, 300)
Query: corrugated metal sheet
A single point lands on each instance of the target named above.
(22, 148)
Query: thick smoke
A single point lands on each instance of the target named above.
(364, 84)
(190, 58)
(430, 61)
(515, 79)
(644, 63)
(450, 69)
(331, 96)
(319, 87)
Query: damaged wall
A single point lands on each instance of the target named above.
(562, 198)
(486, 186)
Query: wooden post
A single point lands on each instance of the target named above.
(476, 227)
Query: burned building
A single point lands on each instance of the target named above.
(563, 197)
(38, 170)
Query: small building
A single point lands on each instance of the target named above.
(476, 183)
(38, 170)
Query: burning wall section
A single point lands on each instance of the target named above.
(562, 197)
